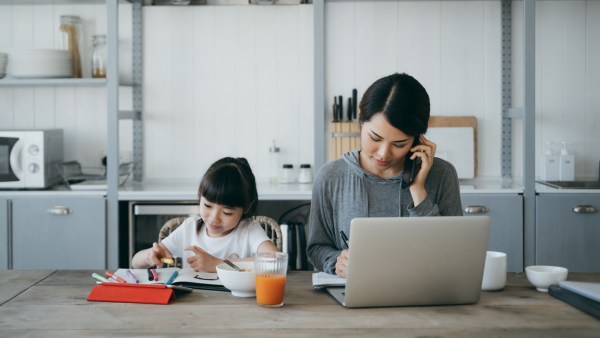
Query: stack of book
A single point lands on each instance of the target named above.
(584, 296)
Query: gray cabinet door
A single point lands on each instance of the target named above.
(59, 233)
(567, 238)
(4, 247)
(506, 213)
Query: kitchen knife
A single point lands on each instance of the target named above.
(349, 109)
(340, 108)
(354, 103)
(335, 109)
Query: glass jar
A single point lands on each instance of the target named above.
(71, 39)
(99, 56)
(305, 175)
(287, 173)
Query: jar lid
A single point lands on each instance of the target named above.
(304, 166)
(288, 166)
(70, 18)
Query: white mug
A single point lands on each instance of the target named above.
(494, 272)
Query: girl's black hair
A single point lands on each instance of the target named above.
(230, 181)
(403, 101)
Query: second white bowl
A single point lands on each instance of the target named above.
(542, 276)
(241, 283)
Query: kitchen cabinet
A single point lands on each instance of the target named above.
(506, 213)
(4, 247)
(568, 231)
(58, 232)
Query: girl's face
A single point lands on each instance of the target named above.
(220, 219)
(383, 147)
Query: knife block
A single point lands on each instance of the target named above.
(345, 136)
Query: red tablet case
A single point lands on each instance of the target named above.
(131, 293)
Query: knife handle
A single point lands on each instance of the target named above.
(349, 109)
(335, 109)
(354, 103)
(340, 108)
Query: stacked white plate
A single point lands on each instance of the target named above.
(40, 63)
(3, 61)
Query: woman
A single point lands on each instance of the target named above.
(372, 181)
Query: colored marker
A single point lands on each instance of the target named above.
(172, 278)
(167, 260)
(115, 277)
(100, 278)
(132, 276)
(154, 274)
(150, 274)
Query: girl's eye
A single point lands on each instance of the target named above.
(227, 213)
(207, 205)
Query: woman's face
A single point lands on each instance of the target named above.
(220, 219)
(383, 147)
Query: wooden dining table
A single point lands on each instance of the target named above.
(49, 303)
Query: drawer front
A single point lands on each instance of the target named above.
(568, 231)
(506, 213)
(59, 233)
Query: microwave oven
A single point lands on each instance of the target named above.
(29, 158)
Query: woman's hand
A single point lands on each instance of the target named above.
(341, 266)
(202, 260)
(426, 151)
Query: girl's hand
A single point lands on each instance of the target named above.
(426, 151)
(341, 266)
(156, 253)
(202, 260)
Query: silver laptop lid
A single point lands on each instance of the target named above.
(416, 260)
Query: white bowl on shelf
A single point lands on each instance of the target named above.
(542, 276)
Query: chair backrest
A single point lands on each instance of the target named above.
(271, 227)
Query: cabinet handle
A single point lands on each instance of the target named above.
(476, 209)
(59, 210)
(585, 209)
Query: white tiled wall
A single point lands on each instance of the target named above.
(226, 80)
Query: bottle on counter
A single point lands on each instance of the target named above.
(566, 170)
(99, 56)
(274, 164)
(549, 169)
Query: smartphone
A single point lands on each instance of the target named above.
(411, 167)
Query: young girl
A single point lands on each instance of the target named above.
(223, 230)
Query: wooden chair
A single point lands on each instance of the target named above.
(271, 227)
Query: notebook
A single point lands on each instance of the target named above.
(586, 289)
(584, 296)
(408, 261)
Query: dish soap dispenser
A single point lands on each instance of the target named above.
(550, 167)
(566, 165)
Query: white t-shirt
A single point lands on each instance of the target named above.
(242, 242)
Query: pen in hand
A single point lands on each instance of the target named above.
(345, 238)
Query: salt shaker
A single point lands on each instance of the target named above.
(305, 174)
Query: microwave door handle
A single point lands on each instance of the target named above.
(15, 159)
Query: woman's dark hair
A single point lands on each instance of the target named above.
(403, 101)
(230, 181)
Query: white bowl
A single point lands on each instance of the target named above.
(241, 283)
(542, 276)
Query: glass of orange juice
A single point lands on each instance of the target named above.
(271, 269)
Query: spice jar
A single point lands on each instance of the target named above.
(305, 175)
(287, 173)
(71, 39)
(99, 56)
(274, 164)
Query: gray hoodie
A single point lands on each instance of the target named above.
(343, 190)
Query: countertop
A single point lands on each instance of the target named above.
(185, 190)
(53, 304)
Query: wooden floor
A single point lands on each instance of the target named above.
(53, 304)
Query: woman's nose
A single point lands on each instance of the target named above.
(383, 151)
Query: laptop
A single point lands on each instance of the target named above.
(411, 261)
